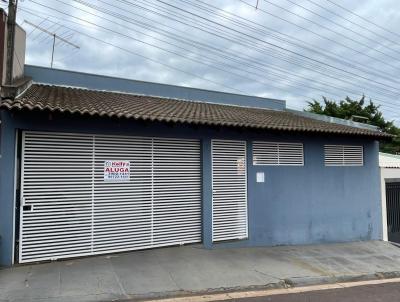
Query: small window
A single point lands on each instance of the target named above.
(344, 155)
(278, 154)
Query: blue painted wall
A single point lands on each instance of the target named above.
(314, 203)
(7, 189)
(93, 81)
(296, 205)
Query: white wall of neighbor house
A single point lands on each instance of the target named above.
(386, 174)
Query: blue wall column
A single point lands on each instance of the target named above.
(7, 175)
(207, 191)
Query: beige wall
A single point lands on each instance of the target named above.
(19, 54)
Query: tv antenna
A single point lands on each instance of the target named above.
(55, 38)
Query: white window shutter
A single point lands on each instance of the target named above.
(278, 154)
(344, 155)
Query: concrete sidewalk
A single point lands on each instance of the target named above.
(192, 269)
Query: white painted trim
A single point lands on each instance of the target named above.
(21, 196)
(383, 206)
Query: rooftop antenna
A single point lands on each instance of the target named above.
(55, 37)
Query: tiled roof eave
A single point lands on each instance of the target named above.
(19, 107)
(117, 105)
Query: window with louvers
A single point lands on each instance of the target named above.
(343, 155)
(278, 154)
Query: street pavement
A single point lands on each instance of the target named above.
(386, 292)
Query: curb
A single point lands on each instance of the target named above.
(284, 285)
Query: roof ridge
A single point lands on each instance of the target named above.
(155, 96)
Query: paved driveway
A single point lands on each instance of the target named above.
(181, 270)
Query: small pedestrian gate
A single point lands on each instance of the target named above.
(69, 208)
(393, 210)
(229, 190)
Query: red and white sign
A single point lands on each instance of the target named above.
(117, 170)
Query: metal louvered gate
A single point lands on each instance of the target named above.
(393, 211)
(68, 210)
(229, 192)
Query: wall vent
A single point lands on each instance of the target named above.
(344, 155)
(278, 154)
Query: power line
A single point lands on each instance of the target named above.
(329, 29)
(337, 24)
(274, 45)
(361, 53)
(341, 62)
(353, 22)
(259, 28)
(147, 58)
(191, 42)
(153, 60)
(140, 55)
(161, 48)
(164, 49)
(120, 16)
(363, 18)
(99, 40)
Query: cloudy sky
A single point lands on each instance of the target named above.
(295, 50)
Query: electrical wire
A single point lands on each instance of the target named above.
(332, 12)
(276, 46)
(363, 18)
(337, 24)
(145, 43)
(208, 48)
(283, 37)
(361, 53)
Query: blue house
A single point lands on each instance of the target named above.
(87, 170)
(93, 165)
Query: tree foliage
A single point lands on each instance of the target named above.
(366, 111)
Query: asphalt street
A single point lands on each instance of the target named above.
(387, 292)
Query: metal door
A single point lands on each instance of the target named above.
(229, 190)
(393, 211)
(67, 209)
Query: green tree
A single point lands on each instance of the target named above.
(366, 112)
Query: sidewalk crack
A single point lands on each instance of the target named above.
(173, 280)
(268, 275)
(121, 287)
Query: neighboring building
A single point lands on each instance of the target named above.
(88, 170)
(390, 189)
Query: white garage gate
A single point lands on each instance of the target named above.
(68, 209)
